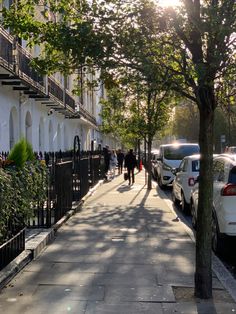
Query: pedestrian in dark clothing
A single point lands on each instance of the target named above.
(130, 164)
(120, 159)
(107, 157)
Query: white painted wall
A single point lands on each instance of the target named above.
(22, 116)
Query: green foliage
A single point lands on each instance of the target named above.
(21, 190)
(20, 153)
(185, 122)
(7, 199)
(29, 151)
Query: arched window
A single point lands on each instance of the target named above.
(28, 127)
(66, 144)
(50, 131)
(41, 135)
(58, 137)
(13, 127)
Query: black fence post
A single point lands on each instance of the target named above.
(92, 164)
(76, 169)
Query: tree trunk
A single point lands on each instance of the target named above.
(203, 272)
(149, 169)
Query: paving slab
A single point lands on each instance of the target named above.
(117, 294)
(16, 306)
(68, 292)
(126, 279)
(123, 308)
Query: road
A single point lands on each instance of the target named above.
(229, 257)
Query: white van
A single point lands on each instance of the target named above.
(170, 158)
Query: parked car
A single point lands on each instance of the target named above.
(155, 156)
(184, 181)
(170, 157)
(224, 200)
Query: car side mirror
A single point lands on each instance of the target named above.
(196, 180)
(175, 171)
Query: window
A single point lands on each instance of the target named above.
(183, 166)
(179, 152)
(195, 165)
(232, 175)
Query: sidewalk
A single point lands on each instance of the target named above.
(125, 252)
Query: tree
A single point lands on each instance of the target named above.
(203, 55)
(186, 122)
(135, 110)
(189, 50)
(117, 119)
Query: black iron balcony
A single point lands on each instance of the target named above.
(70, 101)
(23, 77)
(87, 115)
(26, 72)
(55, 90)
(6, 49)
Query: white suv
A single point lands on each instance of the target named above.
(224, 200)
(184, 181)
(170, 157)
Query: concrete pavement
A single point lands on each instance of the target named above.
(126, 252)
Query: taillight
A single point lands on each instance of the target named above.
(191, 181)
(229, 190)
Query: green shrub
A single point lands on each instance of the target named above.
(30, 152)
(7, 202)
(22, 189)
(21, 152)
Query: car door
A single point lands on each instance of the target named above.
(181, 178)
(219, 180)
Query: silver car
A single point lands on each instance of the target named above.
(184, 181)
(224, 200)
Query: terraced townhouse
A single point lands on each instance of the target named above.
(41, 108)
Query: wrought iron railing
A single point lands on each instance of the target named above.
(19, 61)
(87, 115)
(70, 101)
(55, 90)
(70, 176)
(26, 71)
(6, 49)
(69, 180)
(12, 248)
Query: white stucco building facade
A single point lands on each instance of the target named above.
(43, 109)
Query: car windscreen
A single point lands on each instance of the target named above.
(195, 165)
(179, 152)
(232, 175)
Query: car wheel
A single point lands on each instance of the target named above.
(174, 199)
(184, 205)
(217, 238)
(194, 215)
(161, 186)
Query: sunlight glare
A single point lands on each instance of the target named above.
(168, 3)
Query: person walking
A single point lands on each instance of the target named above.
(113, 163)
(120, 159)
(130, 164)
